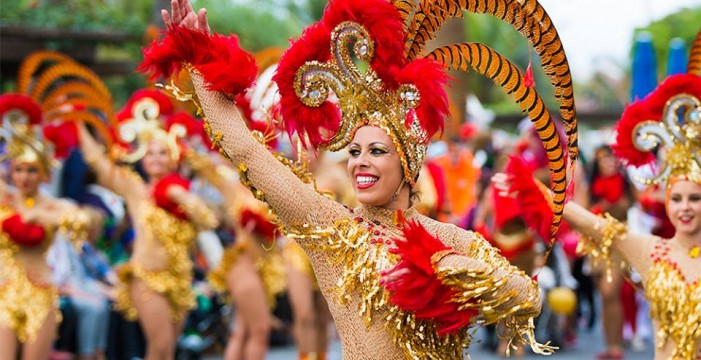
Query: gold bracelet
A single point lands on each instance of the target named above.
(601, 250)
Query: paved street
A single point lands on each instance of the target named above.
(587, 346)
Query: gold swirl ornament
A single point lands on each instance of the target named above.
(680, 134)
(143, 127)
(362, 98)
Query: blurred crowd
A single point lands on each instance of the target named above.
(454, 187)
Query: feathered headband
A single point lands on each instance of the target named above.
(21, 118)
(664, 128)
(54, 90)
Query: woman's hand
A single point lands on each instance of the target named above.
(182, 14)
(502, 184)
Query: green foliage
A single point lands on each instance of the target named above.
(262, 23)
(683, 24)
(126, 16)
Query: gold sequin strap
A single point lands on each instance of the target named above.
(76, 225)
(600, 250)
(497, 300)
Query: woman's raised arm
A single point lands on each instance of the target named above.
(293, 201)
(108, 174)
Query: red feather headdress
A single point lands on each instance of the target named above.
(149, 115)
(406, 98)
(665, 127)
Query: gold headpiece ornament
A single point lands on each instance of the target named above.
(141, 121)
(21, 118)
(667, 121)
(53, 90)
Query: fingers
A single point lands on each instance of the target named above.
(166, 18)
(177, 14)
(202, 23)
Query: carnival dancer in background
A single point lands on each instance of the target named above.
(31, 218)
(155, 285)
(251, 271)
(370, 260)
(611, 192)
(662, 129)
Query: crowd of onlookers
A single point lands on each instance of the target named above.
(454, 187)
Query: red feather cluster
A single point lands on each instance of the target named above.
(419, 290)
(221, 61)
(430, 79)
(383, 22)
(534, 207)
(160, 195)
(650, 108)
(312, 124)
(22, 233)
(23, 103)
(259, 224)
(64, 136)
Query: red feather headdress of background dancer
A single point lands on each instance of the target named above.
(664, 128)
(401, 91)
(53, 91)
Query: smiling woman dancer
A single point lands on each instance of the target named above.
(669, 122)
(30, 221)
(155, 285)
(399, 284)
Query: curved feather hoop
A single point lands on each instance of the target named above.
(67, 90)
(529, 18)
(33, 63)
(694, 65)
(491, 64)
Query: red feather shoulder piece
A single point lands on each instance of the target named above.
(160, 195)
(22, 233)
(420, 291)
(221, 61)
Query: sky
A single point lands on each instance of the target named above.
(597, 34)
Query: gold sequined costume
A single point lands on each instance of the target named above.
(26, 296)
(269, 266)
(169, 239)
(666, 135)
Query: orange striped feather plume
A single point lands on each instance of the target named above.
(435, 13)
(530, 19)
(694, 65)
(69, 70)
(406, 9)
(73, 89)
(491, 64)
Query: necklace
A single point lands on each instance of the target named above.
(694, 252)
(29, 202)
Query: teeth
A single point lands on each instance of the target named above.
(366, 179)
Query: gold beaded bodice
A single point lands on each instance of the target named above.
(675, 305)
(356, 250)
